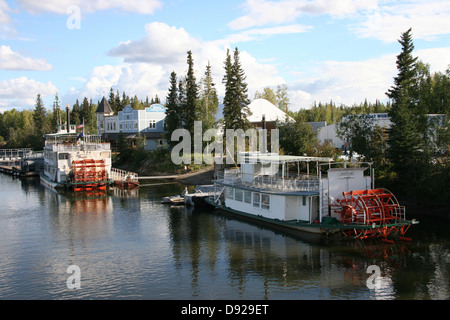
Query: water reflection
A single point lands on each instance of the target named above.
(130, 246)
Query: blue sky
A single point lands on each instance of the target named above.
(322, 50)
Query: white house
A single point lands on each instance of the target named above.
(148, 123)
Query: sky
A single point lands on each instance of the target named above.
(339, 50)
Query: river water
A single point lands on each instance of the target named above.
(127, 245)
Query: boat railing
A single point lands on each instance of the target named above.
(123, 175)
(69, 147)
(273, 182)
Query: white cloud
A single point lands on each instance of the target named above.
(139, 79)
(10, 60)
(21, 92)
(348, 82)
(438, 58)
(163, 44)
(90, 6)
(428, 20)
(6, 28)
(262, 12)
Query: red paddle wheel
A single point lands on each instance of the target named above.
(89, 174)
(377, 208)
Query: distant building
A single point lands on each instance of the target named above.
(328, 133)
(262, 110)
(148, 123)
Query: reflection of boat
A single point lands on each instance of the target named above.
(342, 201)
(75, 161)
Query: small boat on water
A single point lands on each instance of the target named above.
(329, 198)
(75, 161)
(176, 200)
(173, 200)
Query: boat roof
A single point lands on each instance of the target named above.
(277, 158)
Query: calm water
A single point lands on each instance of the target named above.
(130, 246)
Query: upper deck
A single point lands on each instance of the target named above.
(273, 173)
(70, 142)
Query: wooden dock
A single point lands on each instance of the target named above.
(159, 177)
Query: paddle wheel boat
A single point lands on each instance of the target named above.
(75, 161)
(312, 194)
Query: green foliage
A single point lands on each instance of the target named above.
(297, 138)
(236, 101)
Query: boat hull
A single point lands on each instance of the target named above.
(329, 226)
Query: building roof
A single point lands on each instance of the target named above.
(260, 107)
(104, 107)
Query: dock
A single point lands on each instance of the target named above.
(159, 177)
(21, 162)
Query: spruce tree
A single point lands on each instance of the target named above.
(56, 115)
(190, 113)
(229, 112)
(407, 143)
(172, 120)
(209, 101)
(41, 124)
(236, 99)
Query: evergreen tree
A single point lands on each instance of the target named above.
(236, 99)
(408, 146)
(190, 114)
(209, 101)
(172, 120)
(181, 102)
(56, 114)
(112, 101)
(75, 115)
(41, 124)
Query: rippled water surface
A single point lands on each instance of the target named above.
(127, 245)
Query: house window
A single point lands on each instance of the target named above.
(121, 127)
(152, 124)
(135, 125)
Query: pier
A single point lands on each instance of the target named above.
(21, 162)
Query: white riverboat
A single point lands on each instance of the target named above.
(75, 161)
(312, 194)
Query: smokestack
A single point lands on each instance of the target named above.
(68, 118)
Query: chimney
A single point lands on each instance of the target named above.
(68, 119)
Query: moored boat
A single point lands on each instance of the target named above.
(329, 198)
(75, 161)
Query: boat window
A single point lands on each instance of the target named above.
(63, 156)
(229, 193)
(247, 196)
(265, 201)
(238, 194)
(256, 199)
